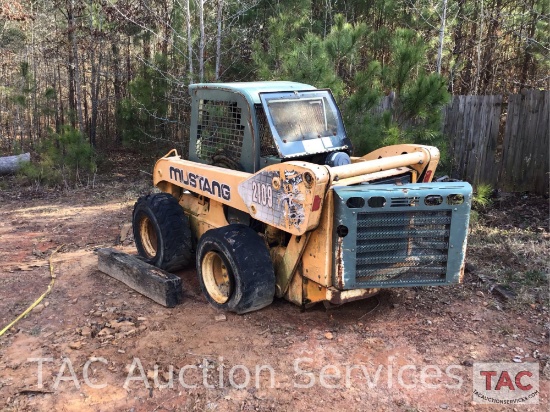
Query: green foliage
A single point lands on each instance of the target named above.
(292, 51)
(307, 63)
(12, 39)
(63, 157)
(412, 113)
(535, 278)
(144, 112)
(283, 34)
(342, 45)
(408, 52)
(48, 102)
(19, 94)
(482, 196)
(412, 110)
(526, 284)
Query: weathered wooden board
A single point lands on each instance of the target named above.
(525, 164)
(472, 124)
(157, 284)
(501, 144)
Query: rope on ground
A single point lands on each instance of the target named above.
(37, 301)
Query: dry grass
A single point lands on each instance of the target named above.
(512, 246)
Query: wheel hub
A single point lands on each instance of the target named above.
(216, 277)
(148, 236)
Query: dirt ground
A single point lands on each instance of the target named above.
(404, 350)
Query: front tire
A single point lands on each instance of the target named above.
(161, 232)
(235, 270)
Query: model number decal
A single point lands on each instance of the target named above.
(262, 194)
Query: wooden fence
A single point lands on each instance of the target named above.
(502, 144)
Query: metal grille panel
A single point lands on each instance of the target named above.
(267, 144)
(220, 131)
(402, 246)
(404, 201)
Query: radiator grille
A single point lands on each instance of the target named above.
(402, 246)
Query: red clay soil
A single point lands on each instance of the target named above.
(404, 350)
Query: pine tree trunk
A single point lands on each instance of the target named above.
(527, 54)
(117, 84)
(441, 36)
(201, 42)
(76, 68)
(478, 51)
(59, 108)
(189, 42)
(219, 39)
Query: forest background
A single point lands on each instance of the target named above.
(79, 79)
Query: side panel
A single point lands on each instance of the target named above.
(317, 258)
(288, 196)
(204, 214)
(210, 181)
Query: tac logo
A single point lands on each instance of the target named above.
(506, 383)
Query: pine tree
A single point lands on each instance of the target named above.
(411, 111)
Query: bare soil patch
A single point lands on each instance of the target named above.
(89, 315)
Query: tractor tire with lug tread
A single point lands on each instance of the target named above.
(161, 232)
(235, 270)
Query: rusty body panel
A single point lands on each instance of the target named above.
(204, 214)
(288, 195)
(285, 269)
(317, 258)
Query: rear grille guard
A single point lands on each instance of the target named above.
(402, 242)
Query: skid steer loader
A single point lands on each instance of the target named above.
(272, 203)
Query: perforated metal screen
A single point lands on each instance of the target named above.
(267, 144)
(220, 131)
(402, 246)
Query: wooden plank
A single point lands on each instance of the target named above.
(543, 161)
(465, 141)
(472, 128)
(536, 176)
(512, 119)
(157, 284)
(459, 135)
(525, 163)
(489, 165)
(479, 131)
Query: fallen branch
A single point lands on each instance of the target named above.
(11, 164)
(492, 286)
(500, 290)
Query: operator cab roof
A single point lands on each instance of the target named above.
(252, 90)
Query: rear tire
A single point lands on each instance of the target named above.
(161, 231)
(235, 270)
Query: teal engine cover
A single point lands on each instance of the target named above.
(400, 235)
